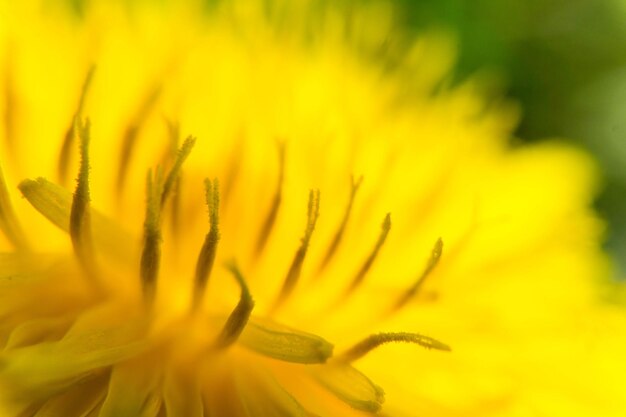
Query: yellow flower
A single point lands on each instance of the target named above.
(353, 199)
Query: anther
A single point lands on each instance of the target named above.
(174, 173)
(432, 262)
(268, 224)
(206, 258)
(360, 275)
(342, 226)
(295, 269)
(151, 253)
(171, 154)
(64, 156)
(131, 134)
(80, 219)
(239, 317)
(372, 342)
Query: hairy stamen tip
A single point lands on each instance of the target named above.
(373, 341)
(65, 153)
(338, 237)
(173, 175)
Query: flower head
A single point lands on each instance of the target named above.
(333, 195)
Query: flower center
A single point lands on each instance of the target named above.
(182, 336)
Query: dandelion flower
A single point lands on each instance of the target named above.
(266, 193)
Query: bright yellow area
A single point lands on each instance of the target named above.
(515, 291)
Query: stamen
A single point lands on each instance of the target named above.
(372, 342)
(157, 192)
(170, 155)
(151, 254)
(432, 262)
(55, 204)
(239, 317)
(80, 217)
(296, 266)
(358, 278)
(64, 156)
(273, 213)
(342, 226)
(176, 209)
(9, 224)
(206, 258)
(174, 173)
(233, 170)
(131, 134)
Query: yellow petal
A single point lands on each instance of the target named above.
(55, 203)
(182, 395)
(283, 343)
(45, 329)
(133, 390)
(79, 401)
(18, 269)
(51, 366)
(263, 396)
(350, 386)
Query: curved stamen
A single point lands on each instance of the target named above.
(373, 341)
(172, 176)
(151, 253)
(206, 258)
(80, 218)
(64, 155)
(295, 269)
(131, 134)
(432, 262)
(175, 205)
(157, 192)
(238, 319)
(332, 248)
(171, 157)
(268, 224)
(234, 169)
(360, 275)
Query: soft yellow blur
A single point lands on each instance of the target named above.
(515, 291)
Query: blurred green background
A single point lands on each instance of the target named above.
(565, 62)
